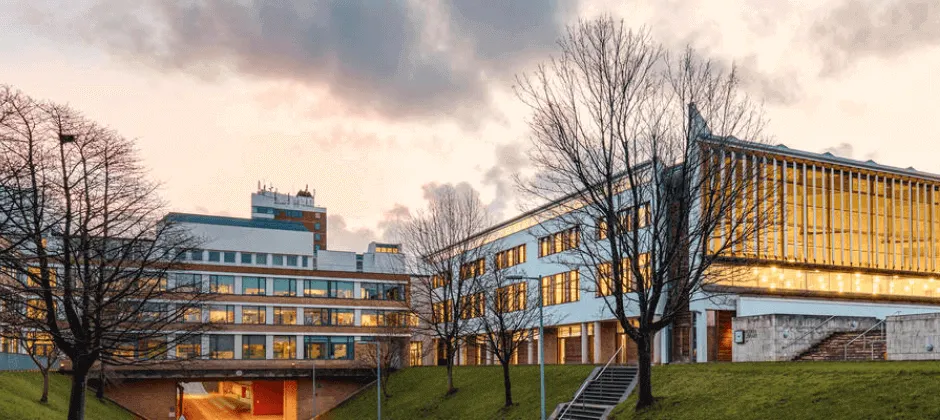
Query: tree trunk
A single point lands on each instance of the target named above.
(77, 396)
(644, 348)
(99, 392)
(450, 378)
(506, 385)
(45, 386)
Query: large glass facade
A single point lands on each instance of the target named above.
(819, 213)
(791, 279)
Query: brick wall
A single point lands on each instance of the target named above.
(153, 398)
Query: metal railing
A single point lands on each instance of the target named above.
(588, 383)
(881, 323)
(796, 340)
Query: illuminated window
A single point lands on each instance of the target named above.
(511, 298)
(472, 306)
(473, 269)
(510, 257)
(559, 241)
(222, 314)
(382, 291)
(415, 353)
(285, 315)
(441, 279)
(285, 347)
(189, 347)
(221, 347)
(443, 311)
(253, 315)
(386, 249)
(560, 288)
(192, 315)
(321, 347)
(253, 347)
(222, 284)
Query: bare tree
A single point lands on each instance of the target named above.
(448, 253)
(506, 312)
(388, 348)
(85, 241)
(44, 354)
(622, 140)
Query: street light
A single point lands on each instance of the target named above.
(541, 340)
(378, 376)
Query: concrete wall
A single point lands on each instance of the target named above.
(17, 361)
(781, 337)
(913, 337)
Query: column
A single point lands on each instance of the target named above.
(597, 343)
(666, 335)
(584, 343)
(238, 314)
(269, 286)
(657, 347)
(300, 346)
(541, 345)
(701, 336)
(204, 347)
(238, 346)
(300, 287)
(268, 314)
(300, 316)
(268, 346)
(530, 353)
(238, 285)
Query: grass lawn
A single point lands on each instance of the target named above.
(418, 393)
(19, 399)
(809, 390)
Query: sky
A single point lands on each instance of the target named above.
(374, 104)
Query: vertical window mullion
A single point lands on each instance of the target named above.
(757, 204)
(846, 224)
(805, 214)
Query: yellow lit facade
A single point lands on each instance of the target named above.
(825, 227)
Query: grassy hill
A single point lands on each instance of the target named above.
(418, 393)
(807, 390)
(19, 399)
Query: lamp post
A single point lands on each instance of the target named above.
(541, 340)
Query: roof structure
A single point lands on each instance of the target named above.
(203, 219)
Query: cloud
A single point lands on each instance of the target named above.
(341, 237)
(510, 159)
(854, 30)
(395, 58)
(844, 150)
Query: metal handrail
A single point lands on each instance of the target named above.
(587, 383)
(845, 348)
(808, 333)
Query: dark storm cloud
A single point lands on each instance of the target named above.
(854, 30)
(510, 159)
(374, 56)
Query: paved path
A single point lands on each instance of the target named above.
(217, 407)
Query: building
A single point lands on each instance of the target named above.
(282, 303)
(845, 241)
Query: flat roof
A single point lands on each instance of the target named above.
(204, 219)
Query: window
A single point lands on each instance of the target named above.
(285, 347)
(375, 318)
(472, 306)
(277, 259)
(316, 248)
(285, 315)
(560, 288)
(510, 257)
(186, 282)
(642, 212)
(221, 284)
(382, 291)
(153, 348)
(189, 347)
(443, 311)
(316, 226)
(321, 347)
(605, 280)
(415, 353)
(261, 259)
(253, 347)
(440, 279)
(253, 314)
(228, 258)
(316, 316)
(214, 256)
(285, 287)
(222, 314)
(304, 261)
(341, 289)
(254, 286)
(316, 236)
(342, 317)
(511, 298)
(559, 241)
(316, 288)
(152, 283)
(195, 255)
(192, 315)
(359, 262)
(386, 249)
(153, 311)
(246, 258)
(292, 260)
(221, 346)
(473, 269)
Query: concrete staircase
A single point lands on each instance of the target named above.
(870, 346)
(601, 392)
